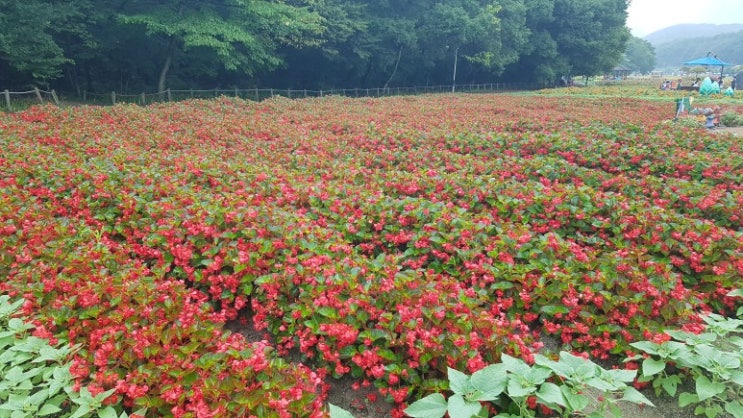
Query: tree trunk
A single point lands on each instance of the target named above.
(168, 59)
(397, 63)
(164, 72)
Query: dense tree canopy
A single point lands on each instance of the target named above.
(143, 45)
(640, 55)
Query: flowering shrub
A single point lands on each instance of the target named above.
(389, 239)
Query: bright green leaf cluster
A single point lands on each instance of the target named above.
(712, 359)
(35, 379)
(511, 383)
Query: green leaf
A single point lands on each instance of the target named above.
(620, 375)
(81, 411)
(737, 377)
(576, 401)
(552, 310)
(108, 412)
(491, 381)
(560, 368)
(686, 399)
(17, 325)
(515, 365)
(338, 412)
(734, 408)
(538, 375)
(670, 384)
(735, 292)
(458, 381)
(601, 384)
(646, 346)
(460, 408)
(652, 367)
(709, 410)
(550, 394)
(519, 389)
(502, 285)
(48, 409)
(432, 406)
(47, 353)
(39, 397)
(707, 389)
(328, 312)
(633, 395)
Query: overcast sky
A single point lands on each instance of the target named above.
(647, 16)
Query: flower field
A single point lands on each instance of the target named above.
(383, 239)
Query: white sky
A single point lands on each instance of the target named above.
(647, 16)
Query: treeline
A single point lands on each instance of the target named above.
(727, 47)
(143, 45)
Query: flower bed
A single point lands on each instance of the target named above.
(387, 239)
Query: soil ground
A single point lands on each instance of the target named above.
(736, 130)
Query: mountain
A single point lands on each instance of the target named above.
(725, 46)
(690, 30)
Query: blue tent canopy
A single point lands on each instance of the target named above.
(708, 62)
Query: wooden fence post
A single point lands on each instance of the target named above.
(38, 94)
(170, 98)
(55, 98)
(85, 95)
(7, 99)
(144, 100)
(113, 98)
(256, 94)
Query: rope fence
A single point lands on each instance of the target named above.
(35, 96)
(23, 99)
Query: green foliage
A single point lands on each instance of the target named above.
(572, 37)
(713, 359)
(731, 119)
(514, 384)
(594, 39)
(243, 36)
(32, 33)
(101, 46)
(640, 55)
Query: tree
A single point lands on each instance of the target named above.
(241, 35)
(590, 34)
(539, 60)
(640, 55)
(571, 37)
(27, 40)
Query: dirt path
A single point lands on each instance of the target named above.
(735, 130)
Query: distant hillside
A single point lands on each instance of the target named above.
(690, 30)
(727, 47)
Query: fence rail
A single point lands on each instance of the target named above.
(33, 96)
(258, 94)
